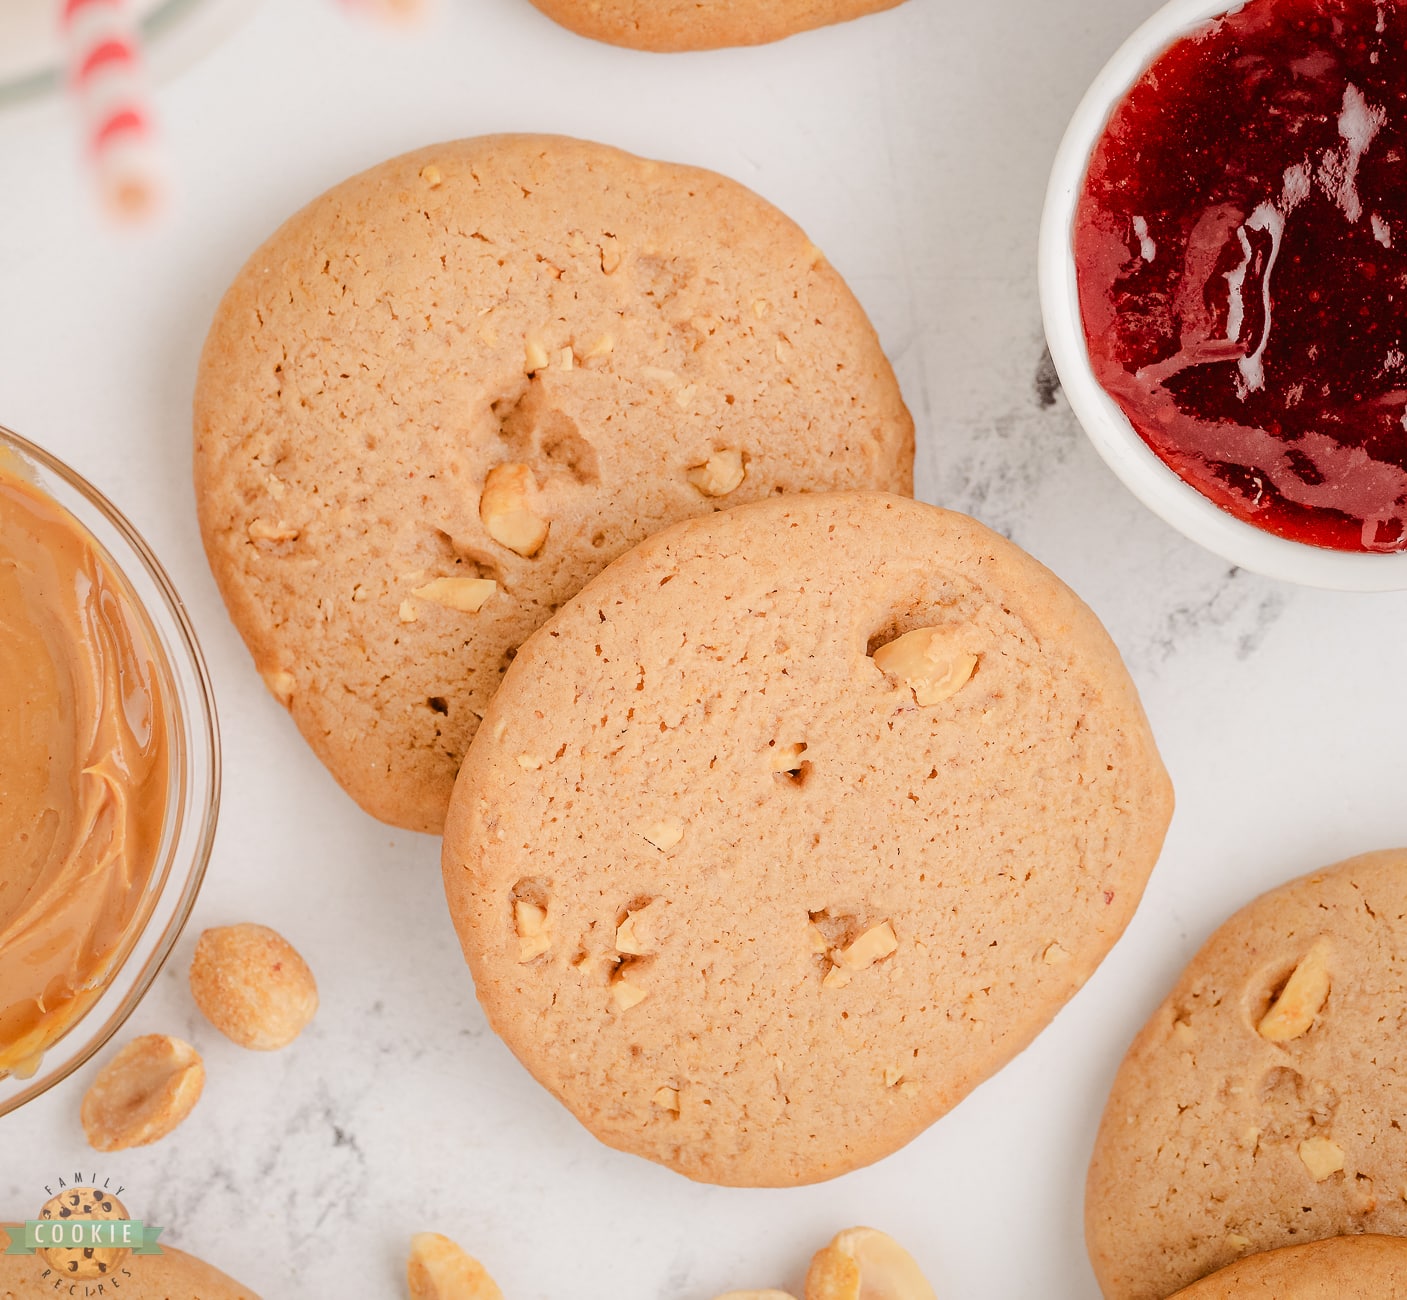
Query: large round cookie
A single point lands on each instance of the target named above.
(1373, 1268)
(449, 353)
(746, 900)
(1263, 1103)
(171, 1275)
(666, 25)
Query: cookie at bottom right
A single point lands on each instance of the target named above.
(1261, 1105)
(1319, 1270)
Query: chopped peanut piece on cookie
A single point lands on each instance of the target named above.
(667, 1099)
(819, 946)
(876, 943)
(1055, 955)
(535, 355)
(1321, 1157)
(534, 932)
(467, 595)
(930, 661)
(626, 994)
(720, 474)
(506, 510)
(836, 978)
(281, 684)
(261, 530)
(634, 935)
(1301, 999)
(603, 347)
(664, 834)
(865, 1264)
(253, 986)
(787, 758)
(439, 1270)
(143, 1093)
(408, 613)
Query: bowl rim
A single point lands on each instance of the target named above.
(201, 756)
(1114, 437)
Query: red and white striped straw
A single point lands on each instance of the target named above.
(107, 76)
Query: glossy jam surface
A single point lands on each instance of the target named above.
(1241, 252)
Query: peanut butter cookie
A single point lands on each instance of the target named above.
(665, 25)
(1334, 1269)
(795, 825)
(1262, 1104)
(450, 390)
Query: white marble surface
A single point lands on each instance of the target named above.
(914, 148)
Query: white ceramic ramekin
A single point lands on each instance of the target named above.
(1157, 486)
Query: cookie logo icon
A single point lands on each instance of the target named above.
(92, 1205)
(83, 1234)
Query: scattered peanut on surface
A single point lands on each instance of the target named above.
(930, 661)
(865, 1264)
(439, 1270)
(1301, 999)
(252, 985)
(143, 1093)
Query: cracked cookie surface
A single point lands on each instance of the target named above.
(450, 390)
(759, 901)
(1262, 1105)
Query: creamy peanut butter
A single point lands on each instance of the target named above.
(83, 771)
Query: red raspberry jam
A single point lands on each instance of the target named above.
(1241, 250)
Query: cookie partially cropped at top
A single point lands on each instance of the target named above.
(1262, 1104)
(451, 389)
(675, 25)
(1333, 1269)
(795, 825)
(170, 1275)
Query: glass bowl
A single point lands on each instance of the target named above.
(193, 744)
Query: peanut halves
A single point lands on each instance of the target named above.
(869, 1263)
(439, 1270)
(143, 1093)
